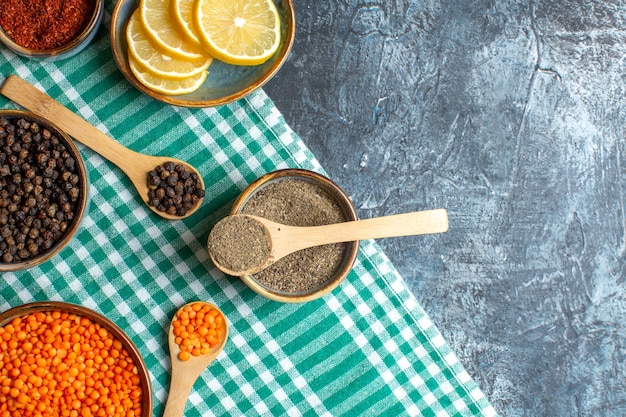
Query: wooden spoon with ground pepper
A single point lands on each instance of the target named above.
(135, 165)
(243, 244)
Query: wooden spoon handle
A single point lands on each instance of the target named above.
(134, 164)
(180, 387)
(43, 105)
(407, 224)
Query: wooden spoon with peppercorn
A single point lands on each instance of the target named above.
(242, 244)
(170, 187)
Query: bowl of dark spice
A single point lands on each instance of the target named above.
(51, 29)
(43, 190)
(299, 197)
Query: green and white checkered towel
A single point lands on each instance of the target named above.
(365, 349)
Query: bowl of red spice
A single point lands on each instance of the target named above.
(66, 359)
(51, 29)
(299, 197)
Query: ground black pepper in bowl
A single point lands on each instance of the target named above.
(42, 190)
(173, 189)
(298, 197)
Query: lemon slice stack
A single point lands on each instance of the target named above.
(172, 43)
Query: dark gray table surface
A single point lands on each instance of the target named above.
(510, 114)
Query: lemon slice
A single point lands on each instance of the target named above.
(165, 85)
(238, 32)
(181, 14)
(158, 63)
(155, 19)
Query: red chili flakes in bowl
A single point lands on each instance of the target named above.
(44, 25)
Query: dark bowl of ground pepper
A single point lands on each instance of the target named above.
(51, 29)
(43, 190)
(300, 197)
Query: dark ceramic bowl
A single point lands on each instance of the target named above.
(63, 52)
(225, 83)
(48, 306)
(351, 248)
(81, 206)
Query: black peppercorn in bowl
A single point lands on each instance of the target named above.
(43, 190)
(70, 27)
(300, 197)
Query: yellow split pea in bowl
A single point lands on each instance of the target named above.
(70, 360)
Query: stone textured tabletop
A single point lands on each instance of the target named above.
(510, 114)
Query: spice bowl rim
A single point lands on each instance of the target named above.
(99, 318)
(82, 206)
(64, 51)
(339, 195)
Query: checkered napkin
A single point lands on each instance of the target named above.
(365, 349)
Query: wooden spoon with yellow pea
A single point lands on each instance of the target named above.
(197, 335)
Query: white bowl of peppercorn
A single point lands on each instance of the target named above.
(43, 190)
(49, 30)
(300, 197)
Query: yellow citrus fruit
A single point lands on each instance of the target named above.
(159, 64)
(155, 19)
(165, 85)
(181, 14)
(238, 32)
